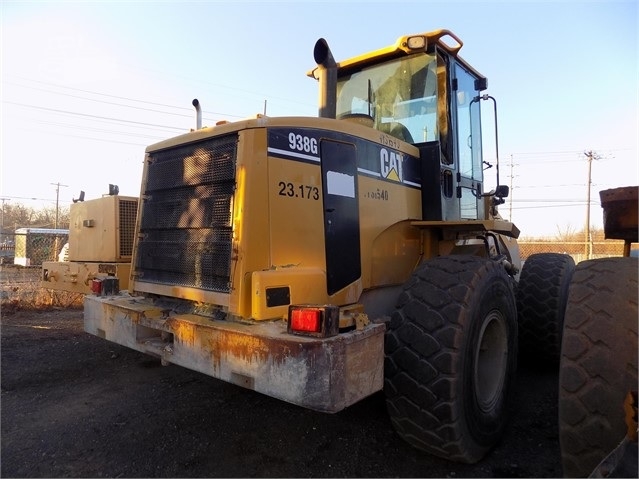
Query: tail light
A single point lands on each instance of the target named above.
(96, 286)
(313, 320)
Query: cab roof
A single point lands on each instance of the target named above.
(406, 45)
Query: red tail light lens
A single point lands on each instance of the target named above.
(96, 286)
(306, 320)
(313, 320)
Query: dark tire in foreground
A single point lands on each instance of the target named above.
(598, 361)
(542, 295)
(451, 357)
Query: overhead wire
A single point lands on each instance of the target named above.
(101, 118)
(116, 97)
(88, 115)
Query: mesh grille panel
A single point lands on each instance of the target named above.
(186, 218)
(193, 258)
(203, 206)
(128, 210)
(204, 163)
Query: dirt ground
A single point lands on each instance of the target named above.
(74, 405)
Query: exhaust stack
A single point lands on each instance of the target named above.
(326, 73)
(198, 111)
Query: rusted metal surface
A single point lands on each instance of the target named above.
(630, 409)
(325, 375)
(622, 461)
(77, 276)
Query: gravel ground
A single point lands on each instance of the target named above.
(74, 405)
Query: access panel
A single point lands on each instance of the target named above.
(341, 214)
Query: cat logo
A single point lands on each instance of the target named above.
(391, 165)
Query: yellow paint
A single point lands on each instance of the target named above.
(95, 227)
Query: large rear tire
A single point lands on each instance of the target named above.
(542, 295)
(451, 353)
(598, 361)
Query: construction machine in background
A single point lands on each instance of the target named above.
(100, 244)
(598, 369)
(321, 260)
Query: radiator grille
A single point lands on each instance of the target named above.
(186, 227)
(128, 209)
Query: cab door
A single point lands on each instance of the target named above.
(467, 128)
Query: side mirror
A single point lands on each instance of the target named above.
(501, 191)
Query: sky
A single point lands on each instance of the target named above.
(86, 86)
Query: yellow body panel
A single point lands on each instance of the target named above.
(296, 235)
(96, 226)
(278, 233)
(309, 285)
(250, 219)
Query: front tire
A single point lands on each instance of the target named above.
(451, 352)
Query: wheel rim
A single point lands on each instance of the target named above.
(491, 360)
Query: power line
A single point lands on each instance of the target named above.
(31, 198)
(550, 200)
(551, 186)
(84, 137)
(86, 115)
(577, 153)
(119, 98)
(240, 90)
(99, 93)
(568, 205)
(106, 121)
(97, 130)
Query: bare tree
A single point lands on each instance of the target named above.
(17, 215)
(568, 233)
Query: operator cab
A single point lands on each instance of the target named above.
(421, 92)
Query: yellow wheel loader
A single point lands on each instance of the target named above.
(98, 253)
(322, 260)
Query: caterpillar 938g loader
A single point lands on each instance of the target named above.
(321, 260)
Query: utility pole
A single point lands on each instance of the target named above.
(590, 156)
(3, 199)
(57, 200)
(510, 196)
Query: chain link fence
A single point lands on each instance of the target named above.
(21, 256)
(20, 279)
(7, 250)
(32, 246)
(579, 251)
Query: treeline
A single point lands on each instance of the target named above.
(569, 234)
(16, 215)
